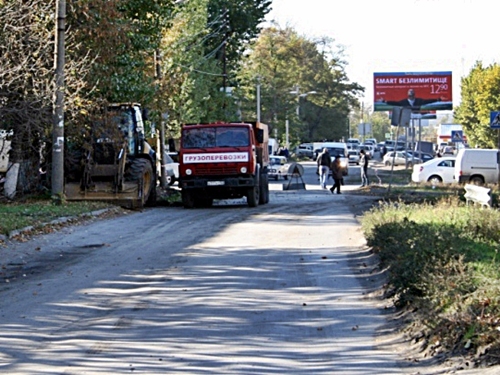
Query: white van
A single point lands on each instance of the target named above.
(477, 166)
(340, 149)
(273, 146)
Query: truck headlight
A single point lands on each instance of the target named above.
(243, 169)
(189, 172)
(343, 163)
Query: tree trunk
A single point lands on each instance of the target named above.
(11, 180)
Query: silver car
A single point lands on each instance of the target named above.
(399, 158)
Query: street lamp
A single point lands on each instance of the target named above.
(299, 95)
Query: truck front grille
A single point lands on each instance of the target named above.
(223, 170)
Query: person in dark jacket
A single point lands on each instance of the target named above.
(337, 174)
(323, 161)
(363, 162)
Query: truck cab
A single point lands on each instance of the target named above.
(223, 161)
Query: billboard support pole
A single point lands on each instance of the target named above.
(498, 157)
(393, 158)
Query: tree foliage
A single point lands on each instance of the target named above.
(27, 81)
(283, 62)
(186, 73)
(480, 96)
(232, 25)
(122, 37)
(381, 125)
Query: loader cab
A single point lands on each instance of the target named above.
(130, 122)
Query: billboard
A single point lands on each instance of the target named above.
(422, 92)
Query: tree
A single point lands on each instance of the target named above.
(233, 24)
(27, 83)
(283, 61)
(381, 125)
(187, 72)
(122, 37)
(480, 96)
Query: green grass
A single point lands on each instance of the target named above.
(37, 211)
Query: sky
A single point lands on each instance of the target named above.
(399, 35)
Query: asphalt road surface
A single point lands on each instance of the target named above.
(277, 289)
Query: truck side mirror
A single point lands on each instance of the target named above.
(171, 145)
(260, 135)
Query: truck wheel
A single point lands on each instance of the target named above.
(141, 171)
(264, 189)
(266, 200)
(187, 199)
(253, 196)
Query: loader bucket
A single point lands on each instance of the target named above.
(129, 197)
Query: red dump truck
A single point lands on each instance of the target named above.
(224, 161)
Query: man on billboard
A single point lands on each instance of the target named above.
(412, 101)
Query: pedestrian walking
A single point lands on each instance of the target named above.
(323, 161)
(337, 174)
(384, 151)
(363, 162)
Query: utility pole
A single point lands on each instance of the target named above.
(258, 99)
(224, 46)
(58, 114)
(159, 77)
(362, 119)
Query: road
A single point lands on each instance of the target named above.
(277, 289)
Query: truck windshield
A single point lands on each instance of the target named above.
(215, 137)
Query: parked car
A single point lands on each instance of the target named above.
(400, 145)
(401, 158)
(304, 150)
(424, 156)
(371, 141)
(352, 146)
(448, 150)
(278, 167)
(172, 169)
(369, 149)
(354, 156)
(380, 147)
(353, 141)
(436, 171)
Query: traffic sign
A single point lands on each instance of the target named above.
(457, 136)
(495, 120)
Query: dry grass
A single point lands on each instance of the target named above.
(442, 262)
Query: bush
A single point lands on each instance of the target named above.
(442, 261)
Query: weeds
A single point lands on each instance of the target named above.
(442, 259)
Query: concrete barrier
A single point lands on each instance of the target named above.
(477, 194)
